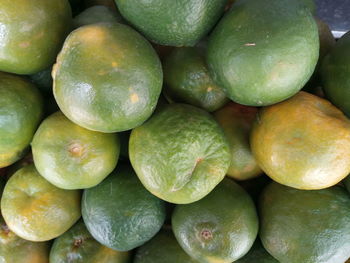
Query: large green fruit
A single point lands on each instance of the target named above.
(72, 157)
(180, 154)
(335, 74)
(305, 226)
(14, 249)
(96, 14)
(303, 142)
(120, 213)
(32, 33)
(261, 55)
(78, 246)
(221, 227)
(36, 210)
(237, 121)
(187, 79)
(20, 112)
(257, 254)
(107, 77)
(172, 23)
(162, 248)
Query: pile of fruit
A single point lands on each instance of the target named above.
(173, 131)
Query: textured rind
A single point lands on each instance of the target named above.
(180, 154)
(172, 23)
(36, 210)
(15, 249)
(237, 121)
(31, 33)
(20, 113)
(162, 248)
(187, 80)
(120, 213)
(78, 246)
(305, 226)
(228, 214)
(53, 157)
(303, 142)
(335, 72)
(107, 78)
(258, 61)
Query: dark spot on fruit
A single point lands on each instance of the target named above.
(206, 234)
(78, 242)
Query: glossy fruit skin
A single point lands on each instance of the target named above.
(237, 121)
(36, 210)
(72, 157)
(310, 226)
(162, 248)
(120, 213)
(221, 227)
(257, 61)
(335, 72)
(119, 90)
(15, 249)
(77, 245)
(33, 33)
(172, 23)
(303, 142)
(180, 154)
(96, 14)
(187, 80)
(257, 254)
(20, 113)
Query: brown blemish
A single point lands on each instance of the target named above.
(78, 242)
(206, 234)
(209, 89)
(76, 149)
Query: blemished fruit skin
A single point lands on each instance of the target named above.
(335, 72)
(303, 142)
(221, 227)
(20, 113)
(72, 157)
(172, 23)
(305, 226)
(257, 254)
(257, 61)
(162, 248)
(237, 121)
(36, 210)
(120, 213)
(78, 246)
(119, 90)
(96, 14)
(187, 80)
(15, 249)
(33, 32)
(180, 154)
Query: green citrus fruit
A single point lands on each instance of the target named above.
(36, 210)
(187, 80)
(237, 121)
(20, 112)
(32, 33)
(257, 254)
(263, 52)
(72, 157)
(305, 226)
(120, 213)
(119, 90)
(180, 154)
(78, 246)
(221, 227)
(303, 142)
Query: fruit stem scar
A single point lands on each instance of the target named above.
(206, 234)
(78, 242)
(75, 149)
